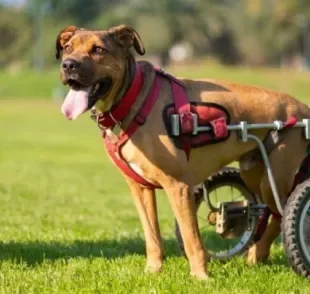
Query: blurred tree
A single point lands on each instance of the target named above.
(264, 30)
(248, 31)
(15, 36)
(164, 23)
(82, 11)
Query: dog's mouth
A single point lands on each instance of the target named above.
(81, 98)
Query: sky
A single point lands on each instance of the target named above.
(12, 2)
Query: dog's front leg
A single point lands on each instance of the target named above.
(146, 205)
(182, 202)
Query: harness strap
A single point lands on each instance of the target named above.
(119, 111)
(183, 109)
(291, 122)
(114, 150)
(124, 167)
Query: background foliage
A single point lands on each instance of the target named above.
(253, 32)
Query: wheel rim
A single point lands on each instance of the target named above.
(304, 230)
(217, 246)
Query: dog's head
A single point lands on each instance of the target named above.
(94, 65)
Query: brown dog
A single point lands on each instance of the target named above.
(99, 68)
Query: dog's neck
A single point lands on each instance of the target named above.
(132, 94)
(128, 77)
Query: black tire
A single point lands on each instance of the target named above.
(296, 206)
(226, 176)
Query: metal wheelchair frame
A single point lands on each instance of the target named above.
(243, 127)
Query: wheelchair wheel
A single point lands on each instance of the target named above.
(226, 186)
(296, 229)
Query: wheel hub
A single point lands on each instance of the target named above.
(212, 218)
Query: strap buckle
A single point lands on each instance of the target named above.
(95, 116)
(177, 125)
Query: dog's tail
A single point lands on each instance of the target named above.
(305, 111)
(296, 108)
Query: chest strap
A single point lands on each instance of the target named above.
(109, 120)
(114, 149)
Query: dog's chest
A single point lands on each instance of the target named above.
(136, 168)
(129, 155)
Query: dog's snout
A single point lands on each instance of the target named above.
(70, 65)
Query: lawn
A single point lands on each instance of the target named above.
(68, 224)
(36, 85)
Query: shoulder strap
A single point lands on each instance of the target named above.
(183, 108)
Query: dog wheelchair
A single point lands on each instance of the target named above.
(230, 221)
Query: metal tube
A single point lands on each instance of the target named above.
(244, 127)
(269, 171)
(251, 126)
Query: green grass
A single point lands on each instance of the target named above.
(68, 224)
(45, 85)
(29, 84)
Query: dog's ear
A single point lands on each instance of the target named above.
(126, 36)
(63, 37)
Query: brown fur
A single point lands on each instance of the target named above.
(156, 157)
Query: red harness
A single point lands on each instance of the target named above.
(116, 115)
(118, 112)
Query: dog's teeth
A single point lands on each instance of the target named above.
(95, 88)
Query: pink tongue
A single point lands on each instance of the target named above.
(75, 103)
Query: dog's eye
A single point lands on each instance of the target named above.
(68, 49)
(99, 50)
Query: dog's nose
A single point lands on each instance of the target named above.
(70, 65)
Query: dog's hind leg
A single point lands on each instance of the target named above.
(252, 177)
(285, 161)
(260, 250)
(181, 198)
(145, 202)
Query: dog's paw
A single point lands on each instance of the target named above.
(153, 268)
(256, 254)
(201, 276)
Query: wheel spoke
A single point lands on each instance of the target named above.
(217, 201)
(238, 197)
(232, 191)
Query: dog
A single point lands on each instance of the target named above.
(100, 68)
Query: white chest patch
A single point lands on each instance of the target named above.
(136, 168)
